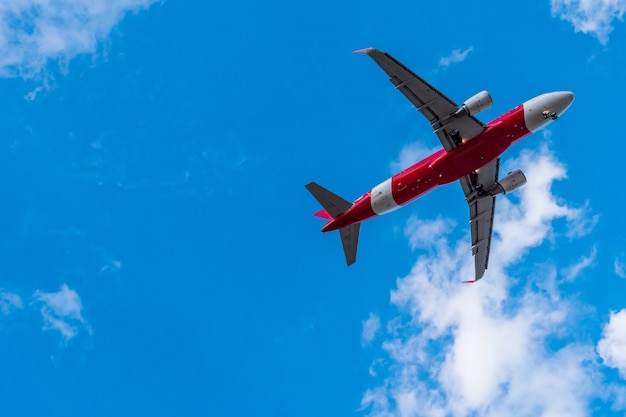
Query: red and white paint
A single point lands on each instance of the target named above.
(444, 167)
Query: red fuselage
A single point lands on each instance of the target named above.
(441, 167)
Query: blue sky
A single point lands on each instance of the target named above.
(159, 254)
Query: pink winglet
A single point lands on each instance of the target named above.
(469, 282)
(361, 51)
(323, 214)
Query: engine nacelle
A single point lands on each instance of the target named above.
(509, 183)
(475, 104)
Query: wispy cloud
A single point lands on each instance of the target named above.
(112, 266)
(62, 311)
(612, 346)
(85, 256)
(593, 17)
(586, 224)
(458, 55)
(620, 267)
(484, 349)
(371, 326)
(570, 273)
(35, 32)
(9, 302)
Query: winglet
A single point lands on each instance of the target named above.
(362, 51)
(469, 282)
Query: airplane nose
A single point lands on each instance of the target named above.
(543, 109)
(562, 100)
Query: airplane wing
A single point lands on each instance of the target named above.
(435, 106)
(481, 212)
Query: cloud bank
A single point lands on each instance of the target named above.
(507, 345)
(593, 17)
(35, 32)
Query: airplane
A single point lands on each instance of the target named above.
(470, 155)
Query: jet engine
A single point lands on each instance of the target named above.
(475, 104)
(511, 182)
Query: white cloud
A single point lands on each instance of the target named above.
(62, 311)
(485, 349)
(371, 326)
(590, 16)
(612, 346)
(455, 57)
(529, 222)
(422, 233)
(9, 302)
(34, 32)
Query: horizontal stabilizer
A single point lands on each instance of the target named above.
(350, 241)
(332, 203)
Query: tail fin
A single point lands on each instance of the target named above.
(333, 207)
